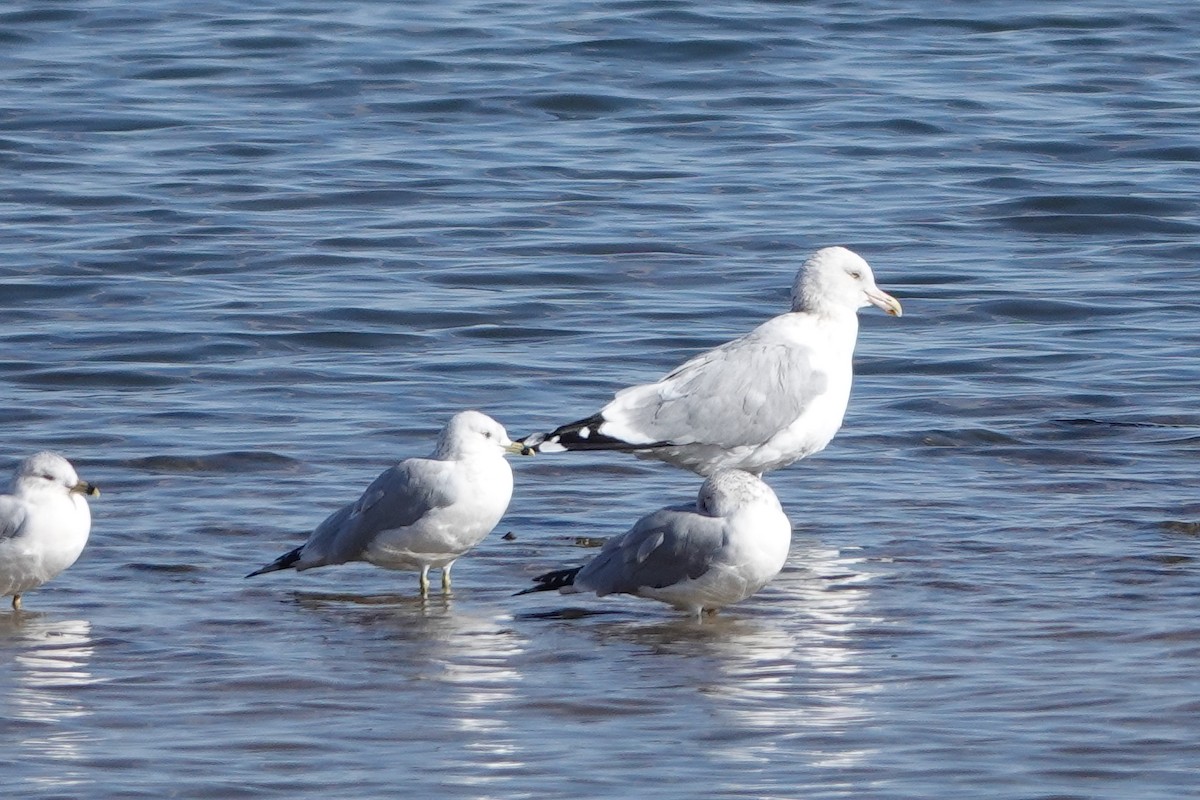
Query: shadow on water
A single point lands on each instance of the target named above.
(45, 715)
(315, 600)
(391, 613)
(566, 613)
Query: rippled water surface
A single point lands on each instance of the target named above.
(250, 254)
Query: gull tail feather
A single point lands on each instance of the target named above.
(552, 581)
(286, 561)
(583, 434)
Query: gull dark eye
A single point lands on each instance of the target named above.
(487, 434)
(856, 275)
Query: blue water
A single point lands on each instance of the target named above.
(250, 254)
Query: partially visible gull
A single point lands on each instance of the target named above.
(697, 558)
(423, 512)
(44, 523)
(757, 403)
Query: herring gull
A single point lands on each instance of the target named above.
(757, 403)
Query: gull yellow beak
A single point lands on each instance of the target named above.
(519, 449)
(85, 488)
(882, 299)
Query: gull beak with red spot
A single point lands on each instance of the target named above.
(881, 299)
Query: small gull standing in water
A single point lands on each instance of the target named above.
(697, 558)
(44, 523)
(423, 512)
(757, 403)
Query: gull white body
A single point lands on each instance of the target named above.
(757, 403)
(831, 341)
(444, 534)
(697, 558)
(44, 523)
(422, 513)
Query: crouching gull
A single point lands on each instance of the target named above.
(697, 558)
(423, 512)
(44, 523)
(757, 403)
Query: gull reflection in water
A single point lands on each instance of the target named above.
(799, 673)
(48, 667)
(782, 669)
(466, 665)
(481, 678)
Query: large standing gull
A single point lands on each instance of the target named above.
(698, 558)
(423, 512)
(757, 403)
(44, 523)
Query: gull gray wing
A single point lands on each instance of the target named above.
(743, 392)
(398, 498)
(662, 549)
(12, 517)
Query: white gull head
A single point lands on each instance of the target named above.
(835, 279)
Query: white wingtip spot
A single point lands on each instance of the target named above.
(585, 433)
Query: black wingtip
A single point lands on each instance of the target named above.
(582, 434)
(285, 561)
(552, 581)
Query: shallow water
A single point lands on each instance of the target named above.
(251, 257)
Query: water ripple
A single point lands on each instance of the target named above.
(253, 256)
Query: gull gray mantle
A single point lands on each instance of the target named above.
(757, 403)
